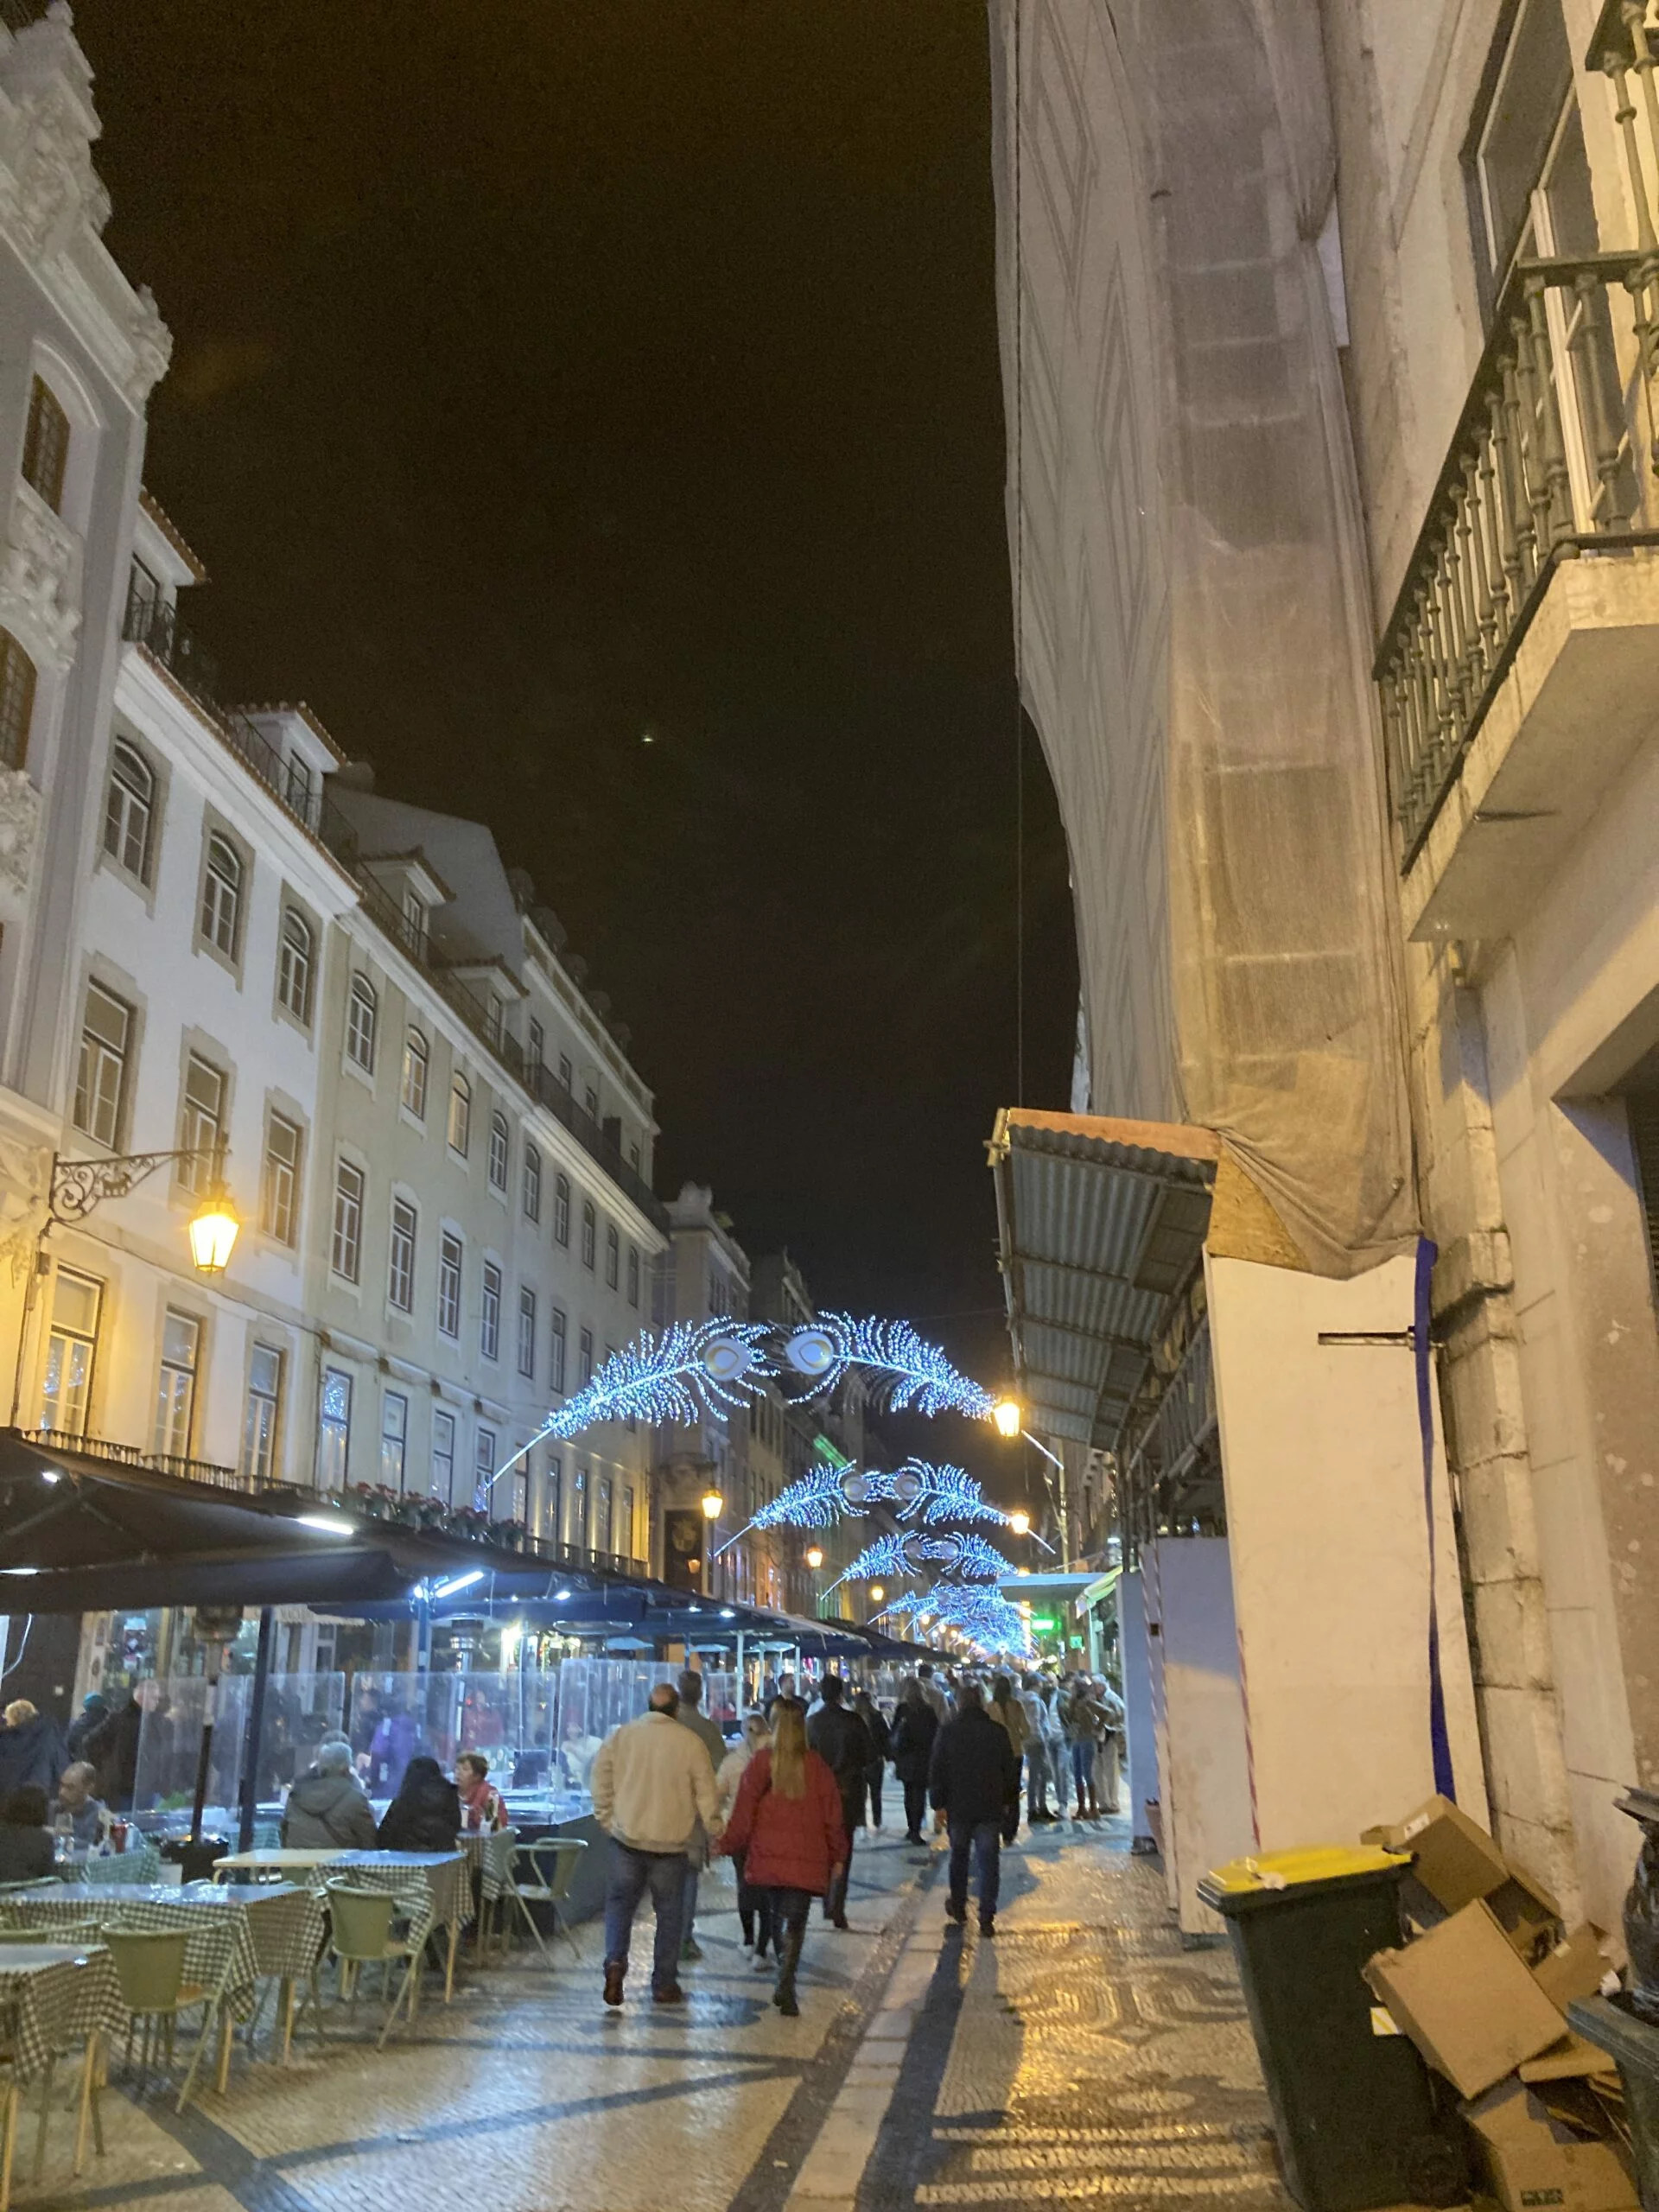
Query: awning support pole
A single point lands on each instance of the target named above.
(256, 1730)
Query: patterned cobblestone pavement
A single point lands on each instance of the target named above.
(1081, 2054)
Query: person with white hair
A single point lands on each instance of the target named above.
(327, 1806)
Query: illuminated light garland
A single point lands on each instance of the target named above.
(915, 1374)
(919, 1491)
(692, 1371)
(980, 1612)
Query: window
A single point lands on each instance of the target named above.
(634, 1274)
(633, 1158)
(553, 1498)
(585, 1358)
(589, 1231)
(612, 1254)
(449, 1251)
(362, 1018)
(176, 1393)
(590, 1100)
(259, 1417)
(394, 1437)
(70, 1347)
(144, 598)
(579, 1509)
(413, 1090)
(221, 895)
(16, 701)
(101, 1074)
(334, 1428)
(46, 444)
(566, 1074)
(483, 1469)
(201, 1122)
(294, 962)
(400, 1260)
(346, 1254)
(129, 811)
(537, 1044)
(532, 1183)
(561, 1209)
(527, 1331)
(489, 1328)
(493, 1028)
(627, 1545)
(555, 1356)
(443, 1455)
(605, 1531)
(413, 921)
(279, 1197)
(460, 1116)
(498, 1152)
(1529, 80)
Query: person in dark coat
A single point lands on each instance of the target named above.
(880, 1735)
(910, 1746)
(789, 1825)
(972, 1771)
(94, 1712)
(425, 1815)
(842, 1742)
(112, 1747)
(28, 1851)
(32, 1750)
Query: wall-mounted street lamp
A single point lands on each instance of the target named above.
(78, 1187)
(1009, 1416)
(814, 1556)
(713, 1504)
(1019, 1522)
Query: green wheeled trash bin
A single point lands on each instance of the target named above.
(1356, 2113)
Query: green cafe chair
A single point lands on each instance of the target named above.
(360, 1934)
(150, 1966)
(552, 1865)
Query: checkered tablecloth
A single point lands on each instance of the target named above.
(219, 1951)
(434, 1888)
(491, 1854)
(139, 1862)
(284, 1920)
(53, 1998)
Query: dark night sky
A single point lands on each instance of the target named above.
(548, 374)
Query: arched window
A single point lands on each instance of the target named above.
(221, 895)
(590, 1232)
(413, 1092)
(532, 1183)
(129, 810)
(498, 1141)
(561, 1209)
(294, 963)
(460, 1116)
(362, 1018)
(612, 1254)
(16, 701)
(46, 444)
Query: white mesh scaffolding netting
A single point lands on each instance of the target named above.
(1190, 589)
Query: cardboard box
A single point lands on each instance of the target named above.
(1573, 1969)
(1457, 1860)
(1567, 2061)
(1530, 2161)
(1466, 2001)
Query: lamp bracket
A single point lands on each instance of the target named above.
(80, 1186)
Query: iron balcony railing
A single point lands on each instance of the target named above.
(1168, 1479)
(1554, 456)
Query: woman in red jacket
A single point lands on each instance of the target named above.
(788, 1820)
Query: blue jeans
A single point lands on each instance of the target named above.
(633, 1872)
(983, 1840)
(1083, 1771)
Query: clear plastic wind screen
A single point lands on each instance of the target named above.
(1284, 961)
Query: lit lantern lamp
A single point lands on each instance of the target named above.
(214, 1228)
(1019, 1522)
(1009, 1416)
(815, 1556)
(713, 1504)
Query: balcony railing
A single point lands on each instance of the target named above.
(1169, 1479)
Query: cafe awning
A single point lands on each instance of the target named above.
(1101, 1222)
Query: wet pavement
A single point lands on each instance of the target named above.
(1080, 2053)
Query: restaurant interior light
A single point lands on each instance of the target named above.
(459, 1582)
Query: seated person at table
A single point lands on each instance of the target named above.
(27, 1849)
(480, 1800)
(86, 1814)
(576, 1755)
(327, 1807)
(425, 1815)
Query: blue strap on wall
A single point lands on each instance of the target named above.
(1440, 1741)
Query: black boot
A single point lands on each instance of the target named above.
(789, 1957)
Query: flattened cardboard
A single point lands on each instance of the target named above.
(1466, 2001)
(1573, 1969)
(1529, 2161)
(1567, 2060)
(1457, 1860)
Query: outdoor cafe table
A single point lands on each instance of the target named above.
(54, 1996)
(433, 1887)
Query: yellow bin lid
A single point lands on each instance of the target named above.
(1308, 1862)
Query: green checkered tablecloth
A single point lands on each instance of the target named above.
(284, 1920)
(491, 1854)
(219, 1951)
(432, 1887)
(53, 1996)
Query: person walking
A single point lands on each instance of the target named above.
(932, 1696)
(881, 1736)
(653, 1785)
(911, 1747)
(789, 1822)
(1010, 1716)
(1037, 1766)
(710, 1735)
(842, 1742)
(973, 1770)
(754, 1904)
(1083, 1720)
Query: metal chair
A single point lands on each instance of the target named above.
(549, 1886)
(360, 1934)
(150, 1966)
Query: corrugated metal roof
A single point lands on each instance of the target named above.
(1102, 1222)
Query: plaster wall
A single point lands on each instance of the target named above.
(1141, 1781)
(1204, 1762)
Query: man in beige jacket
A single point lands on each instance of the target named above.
(652, 1781)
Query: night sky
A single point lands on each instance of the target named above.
(550, 376)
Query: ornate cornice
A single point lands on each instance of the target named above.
(39, 576)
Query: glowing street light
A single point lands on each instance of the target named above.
(1009, 1416)
(814, 1556)
(214, 1228)
(878, 1591)
(713, 1504)
(1019, 1522)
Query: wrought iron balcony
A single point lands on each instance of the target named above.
(1553, 456)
